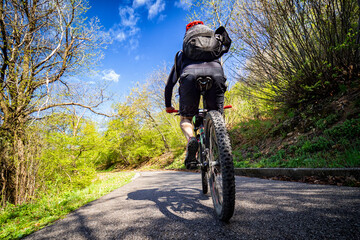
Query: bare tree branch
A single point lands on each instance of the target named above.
(91, 108)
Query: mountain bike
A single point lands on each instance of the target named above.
(214, 155)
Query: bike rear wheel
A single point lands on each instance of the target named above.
(221, 168)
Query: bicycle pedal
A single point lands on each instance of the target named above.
(214, 164)
(205, 164)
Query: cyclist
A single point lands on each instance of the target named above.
(187, 70)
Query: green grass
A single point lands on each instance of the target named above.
(19, 221)
(178, 162)
(336, 147)
(252, 129)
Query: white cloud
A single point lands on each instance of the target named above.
(133, 43)
(139, 3)
(110, 75)
(156, 8)
(133, 31)
(161, 17)
(128, 16)
(121, 36)
(127, 31)
(127, 28)
(184, 4)
(137, 58)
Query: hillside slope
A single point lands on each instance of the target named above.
(325, 133)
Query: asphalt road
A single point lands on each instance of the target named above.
(170, 205)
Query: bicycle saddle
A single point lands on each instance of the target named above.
(204, 83)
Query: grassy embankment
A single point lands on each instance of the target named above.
(19, 221)
(323, 135)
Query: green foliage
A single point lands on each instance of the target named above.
(338, 146)
(70, 149)
(141, 131)
(18, 221)
(350, 130)
(326, 122)
(128, 142)
(178, 160)
(254, 128)
(314, 145)
(245, 106)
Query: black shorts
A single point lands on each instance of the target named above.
(190, 94)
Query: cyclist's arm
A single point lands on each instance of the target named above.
(169, 88)
(172, 79)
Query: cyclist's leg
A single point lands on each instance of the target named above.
(189, 103)
(192, 144)
(189, 96)
(215, 95)
(186, 127)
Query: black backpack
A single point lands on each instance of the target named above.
(203, 44)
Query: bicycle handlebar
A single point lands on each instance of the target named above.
(172, 111)
(176, 111)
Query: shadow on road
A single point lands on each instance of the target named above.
(175, 202)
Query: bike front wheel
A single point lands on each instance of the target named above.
(221, 168)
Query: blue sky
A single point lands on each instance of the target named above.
(145, 33)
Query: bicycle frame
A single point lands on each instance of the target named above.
(199, 130)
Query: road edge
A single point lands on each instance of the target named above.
(297, 173)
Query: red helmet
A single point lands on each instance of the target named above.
(190, 25)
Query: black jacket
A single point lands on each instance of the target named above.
(181, 62)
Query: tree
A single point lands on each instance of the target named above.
(42, 43)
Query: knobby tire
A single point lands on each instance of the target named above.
(221, 176)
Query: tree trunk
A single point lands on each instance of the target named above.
(9, 170)
(18, 165)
